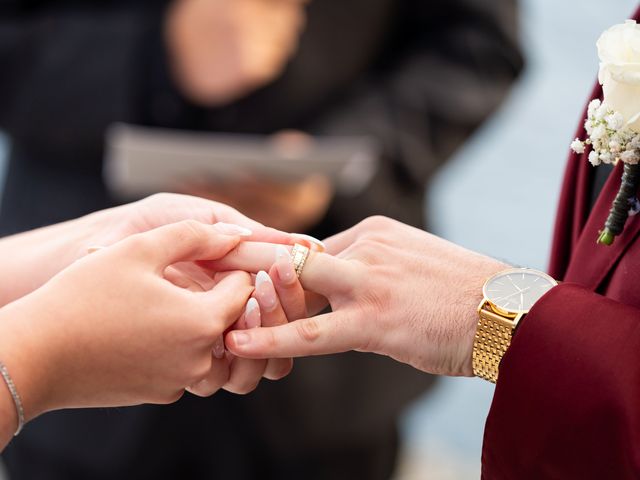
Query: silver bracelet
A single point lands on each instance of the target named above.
(15, 395)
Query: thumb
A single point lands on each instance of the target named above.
(184, 241)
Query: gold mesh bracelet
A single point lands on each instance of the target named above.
(493, 337)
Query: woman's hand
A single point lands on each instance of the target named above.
(278, 298)
(110, 330)
(32, 258)
(394, 290)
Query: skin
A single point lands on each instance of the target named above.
(32, 258)
(222, 50)
(394, 290)
(64, 352)
(147, 341)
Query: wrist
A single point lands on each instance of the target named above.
(26, 354)
(470, 313)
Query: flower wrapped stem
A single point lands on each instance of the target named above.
(622, 204)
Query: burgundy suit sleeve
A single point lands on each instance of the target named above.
(567, 402)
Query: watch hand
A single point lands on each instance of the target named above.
(521, 299)
(513, 283)
(512, 294)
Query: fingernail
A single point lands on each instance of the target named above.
(284, 267)
(232, 229)
(240, 338)
(218, 348)
(311, 242)
(265, 291)
(252, 314)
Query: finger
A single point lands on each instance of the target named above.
(330, 333)
(260, 233)
(182, 279)
(288, 287)
(273, 314)
(244, 375)
(214, 380)
(270, 307)
(322, 273)
(278, 368)
(183, 241)
(228, 298)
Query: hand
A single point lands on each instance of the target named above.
(224, 49)
(165, 208)
(110, 330)
(289, 207)
(394, 290)
(32, 258)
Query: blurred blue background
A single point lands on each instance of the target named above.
(498, 196)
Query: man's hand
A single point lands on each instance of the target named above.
(394, 290)
(224, 49)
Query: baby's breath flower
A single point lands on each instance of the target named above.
(615, 121)
(594, 105)
(577, 146)
(606, 157)
(631, 157)
(601, 112)
(594, 158)
(588, 126)
(614, 145)
(599, 132)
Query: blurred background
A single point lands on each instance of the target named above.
(496, 194)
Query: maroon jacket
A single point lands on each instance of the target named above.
(567, 404)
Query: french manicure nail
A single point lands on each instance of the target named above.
(232, 229)
(218, 348)
(252, 314)
(312, 242)
(240, 338)
(265, 291)
(284, 266)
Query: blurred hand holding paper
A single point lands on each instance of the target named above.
(142, 160)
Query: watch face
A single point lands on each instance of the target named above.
(517, 290)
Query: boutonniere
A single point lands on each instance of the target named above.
(613, 124)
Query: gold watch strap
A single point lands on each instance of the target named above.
(493, 337)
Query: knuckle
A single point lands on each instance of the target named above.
(308, 330)
(159, 197)
(377, 222)
(191, 230)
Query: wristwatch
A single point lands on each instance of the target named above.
(508, 297)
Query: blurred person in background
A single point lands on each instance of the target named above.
(419, 76)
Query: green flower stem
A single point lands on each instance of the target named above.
(619, 213)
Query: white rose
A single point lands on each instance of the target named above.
(619, 51)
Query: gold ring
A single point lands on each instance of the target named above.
(299, 255)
